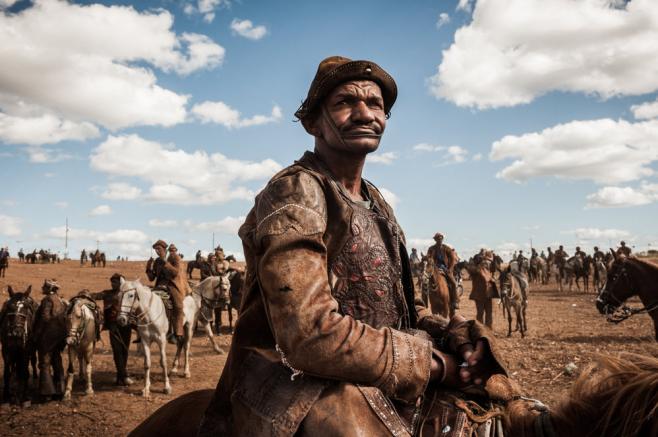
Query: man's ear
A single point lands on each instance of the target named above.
(312, 125)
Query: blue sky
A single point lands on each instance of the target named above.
(515, 120)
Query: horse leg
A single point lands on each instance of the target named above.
(186, 351)
(24, 378)
(211, 337)
(229, 309)
(146, 350)
(89, 353)
(174, 365)
(509, 317)
(7, 378)
(70, 374)
(163, 362)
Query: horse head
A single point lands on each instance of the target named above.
(76, 321)
(129, 300)
(617, 288)
(19, 315)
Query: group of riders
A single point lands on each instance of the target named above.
(47, 331)
(442, 263)
(42, 255)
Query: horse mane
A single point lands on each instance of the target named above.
(614, 396)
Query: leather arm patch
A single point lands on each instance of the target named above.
(409, 371)
(294, 202)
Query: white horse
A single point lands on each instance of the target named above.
(81, 339)
(209, 293)
(146, 310)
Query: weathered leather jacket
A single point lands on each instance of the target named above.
(328, 299)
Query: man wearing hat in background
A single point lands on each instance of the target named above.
(49, 336)
(169, 275)
(119, 335)
(484, 289)
(323, 340)
(444, 259)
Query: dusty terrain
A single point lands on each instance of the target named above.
(563, 328)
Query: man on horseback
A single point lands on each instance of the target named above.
(221, 264)
(581, 254)
(49, 336)
(560, 257)
(168, 276)
(444, 259)
(119, 335)
(329, 337)
(209, 268)
(623, 249)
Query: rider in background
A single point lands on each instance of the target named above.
(444, 259)
(623, 249)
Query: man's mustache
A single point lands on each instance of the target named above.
(361, 130)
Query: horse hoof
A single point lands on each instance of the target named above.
(26, 404)
(188, 375)
(89, 392)
(167, 390)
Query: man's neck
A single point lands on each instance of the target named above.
(346, 168)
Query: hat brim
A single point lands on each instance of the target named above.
(352, 70)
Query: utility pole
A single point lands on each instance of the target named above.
(66, 240)
(213, 241)
(98, 242)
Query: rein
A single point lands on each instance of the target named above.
(210, 303)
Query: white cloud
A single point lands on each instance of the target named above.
(247, 29)
(221, 113)
(40, 155)
(177, 176)
(385, 158)
(131, 242)
(442, 20)
(390, 197)
(516, 50)
(206, 8)
(421, 244)
(646, 110)
(101, 210)
(227, 225)
(450, 155)
(617, 197)
(64, 79)
(43, 129)
(157, 223)
(121, 191)
(599, 234)
(10, 226)
(49, 175)
(605, 151)
(61, 204)
(465, 5)
(477, 157)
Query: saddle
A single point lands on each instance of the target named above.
(165, 295)
(90, 303)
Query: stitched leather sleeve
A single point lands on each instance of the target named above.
(294, 202)
(312, 335)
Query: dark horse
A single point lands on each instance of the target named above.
(16, 320)
(4, 263)
(614, 397)
(629, 277)
(97, 258)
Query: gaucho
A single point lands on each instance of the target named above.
(330, 340)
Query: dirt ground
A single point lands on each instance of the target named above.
(563, 328)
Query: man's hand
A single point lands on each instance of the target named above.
(149, 263)
(481, 364)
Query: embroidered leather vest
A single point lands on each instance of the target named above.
(365, 276)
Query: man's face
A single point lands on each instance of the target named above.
(116, 284)
(160, 251)
(357, 109)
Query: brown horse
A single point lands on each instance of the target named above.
(512, 296)
(97, 259)
(614, 397)
(629, 277)
(439, 294)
